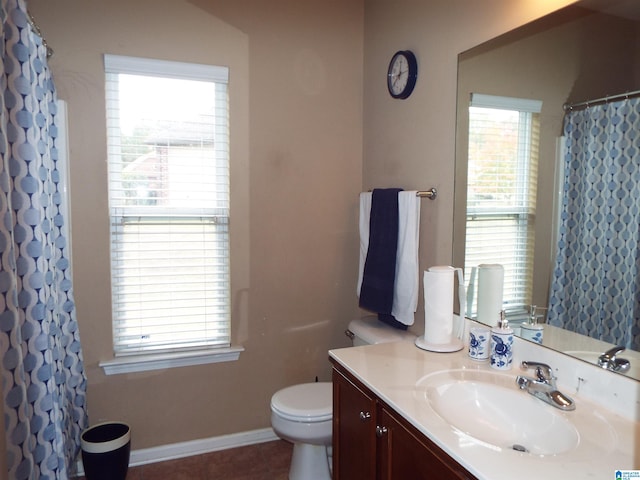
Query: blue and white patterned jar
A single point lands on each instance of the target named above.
(501, 348)
(479, 343)
(532, 332)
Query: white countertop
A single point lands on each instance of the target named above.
(608, 441)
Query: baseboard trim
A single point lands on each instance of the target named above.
(173, 451)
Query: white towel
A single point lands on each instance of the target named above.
(407, 283)
(365, 213)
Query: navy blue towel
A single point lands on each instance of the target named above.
(379, 275)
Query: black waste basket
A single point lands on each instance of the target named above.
(105, 451)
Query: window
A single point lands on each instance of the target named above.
(168, 156)
(501, 191)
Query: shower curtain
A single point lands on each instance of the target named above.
(595, 287)
(43, 380)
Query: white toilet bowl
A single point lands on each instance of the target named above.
(302, 414)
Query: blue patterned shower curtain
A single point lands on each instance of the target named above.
(595, 288)
(43, 380)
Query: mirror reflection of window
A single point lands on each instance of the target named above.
(501, 192)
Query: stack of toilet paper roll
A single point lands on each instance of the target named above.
(438, 305)
(490, 288)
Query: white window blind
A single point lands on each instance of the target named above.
(168, 156)
(501, 191)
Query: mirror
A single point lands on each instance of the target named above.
(582, 52)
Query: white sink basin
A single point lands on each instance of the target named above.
(592, 357)
(489, 408)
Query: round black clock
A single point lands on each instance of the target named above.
(402, 74)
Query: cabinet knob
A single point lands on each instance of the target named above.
(380, 431)
(365, 416)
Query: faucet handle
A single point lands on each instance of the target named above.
(609, 361)
(612, 352)
(544, 373)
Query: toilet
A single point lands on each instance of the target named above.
(302, 414)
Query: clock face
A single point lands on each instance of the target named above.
(402, 74)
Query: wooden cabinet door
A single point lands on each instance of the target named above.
(404, 453)
(354, 438)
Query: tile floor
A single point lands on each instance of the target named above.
(264, 461)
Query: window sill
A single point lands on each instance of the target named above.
(160, 361)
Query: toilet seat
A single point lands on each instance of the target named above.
(308, 402)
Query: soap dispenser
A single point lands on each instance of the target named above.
(502, 344)
(533, 330)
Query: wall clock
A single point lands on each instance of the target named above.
(402, 74)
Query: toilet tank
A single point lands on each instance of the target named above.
(369, 331)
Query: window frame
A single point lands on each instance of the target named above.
(152, 359)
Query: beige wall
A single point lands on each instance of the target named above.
(312, 125)
(411, 143)
(296, 154)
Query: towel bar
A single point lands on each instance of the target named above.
(431, 194)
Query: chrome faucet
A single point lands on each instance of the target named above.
(609, 361)
(543, 386)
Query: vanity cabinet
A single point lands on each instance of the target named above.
(371, 441)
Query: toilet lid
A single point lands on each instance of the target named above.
(373, 331)
(308, 402)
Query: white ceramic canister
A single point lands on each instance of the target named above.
(502, 345)
(533, 332)
(479, 343)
